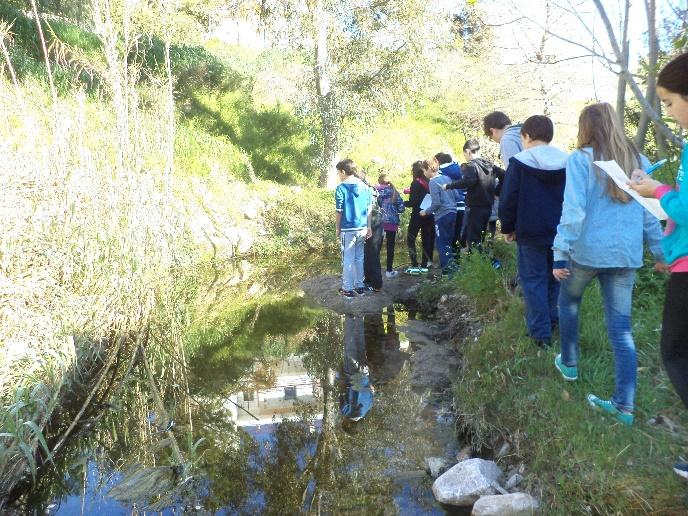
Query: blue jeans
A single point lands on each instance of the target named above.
(444, 237)
(617, 291)
(540, 289)
(352, 244)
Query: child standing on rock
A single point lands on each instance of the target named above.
(392, 206)
(352, 221)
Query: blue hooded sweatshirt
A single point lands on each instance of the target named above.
(352, 199)
(532, 194)
(453, 171)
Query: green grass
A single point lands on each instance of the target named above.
(576, 458)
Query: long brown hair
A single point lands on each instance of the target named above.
(599, 128)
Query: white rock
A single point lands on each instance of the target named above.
(513, 481)
(436, 466)
(463, 484)
(516, 504)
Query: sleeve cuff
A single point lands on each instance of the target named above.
(661, 191)
(560, 264)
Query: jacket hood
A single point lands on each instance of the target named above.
(543, 157)
(448, 167)
(483, 163)
(513, 133)
(352, 186)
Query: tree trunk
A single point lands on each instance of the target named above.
(621, 91)
(327, 102)
(653, 52)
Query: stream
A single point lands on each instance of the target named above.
(283, 407)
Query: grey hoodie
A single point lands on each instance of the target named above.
(510, 144)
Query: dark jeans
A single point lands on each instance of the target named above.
(459, 237)
(426, 227)
(371, 256)
(391, 238)
(540, 289)
(675, 334)
(444, 235)
(478, 217)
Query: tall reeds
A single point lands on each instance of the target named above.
(90, 229)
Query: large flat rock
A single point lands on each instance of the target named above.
(466, 482)
(515, 504)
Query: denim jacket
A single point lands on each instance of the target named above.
(595, 230)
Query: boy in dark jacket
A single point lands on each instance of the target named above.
(529, 211)
(480, 179)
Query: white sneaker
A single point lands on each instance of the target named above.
(392, 274)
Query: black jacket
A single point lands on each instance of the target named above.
(481, 181)
(416, 197)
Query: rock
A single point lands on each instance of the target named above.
(436, 466)
(464, 483)
(516, 504)
(504, 450)
(513, 481)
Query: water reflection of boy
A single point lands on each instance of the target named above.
(356, 397)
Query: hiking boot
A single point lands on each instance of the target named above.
(391, 274)
(625, 418)
(570, 373)
(681, 469)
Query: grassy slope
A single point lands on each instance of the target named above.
(577, 460)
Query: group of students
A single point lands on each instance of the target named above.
(571, 224)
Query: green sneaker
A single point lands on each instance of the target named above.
(625, 418)
(570, 373)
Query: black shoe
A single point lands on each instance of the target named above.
(543, 343)
(681, 469)
(347, 293)
(361, 291)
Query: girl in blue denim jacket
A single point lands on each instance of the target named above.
(672, 89)
(392, 206)
(600, 235)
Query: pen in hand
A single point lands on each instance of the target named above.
(654, 167)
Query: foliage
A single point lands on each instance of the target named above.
(578, 459)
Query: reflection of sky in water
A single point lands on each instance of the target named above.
(375, 346)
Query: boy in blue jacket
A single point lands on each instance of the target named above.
(529, 211)
(352, 220)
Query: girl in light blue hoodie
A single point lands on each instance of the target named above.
(600, 235)
(672, 89)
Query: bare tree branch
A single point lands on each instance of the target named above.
(632, 82)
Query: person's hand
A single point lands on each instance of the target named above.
(561, 274)
(421, 213)
(369, 233)
(510, 237)
(646, 186)
(662, 268)
(638, 175)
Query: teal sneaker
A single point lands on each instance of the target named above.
(570, 373)
(625, 418)
(422, 270)
(412, 271)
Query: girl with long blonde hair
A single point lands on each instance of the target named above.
(600, 235)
